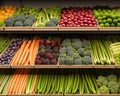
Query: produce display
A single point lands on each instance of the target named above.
(101, 50)
(8, 54)
(75, 51)
(108, 84)
(77, 17)
(26, 54)
(5, 12)
(48, 51)
(106, 16)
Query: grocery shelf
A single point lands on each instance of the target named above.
(45, 28)
(76, 66)
(46, 66)
(4, 66)
(22, 66)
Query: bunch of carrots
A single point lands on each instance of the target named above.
(6, 11)
(27, 52)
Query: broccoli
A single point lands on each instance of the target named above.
(55, 21)
(66, 43)
(112, 77)
(104, 90)
(113, 87)
(74, 40)
(86, 60)
(62, 55)
(63, 50)
(18, 23)
(70, 53)
(76, 56)
(87, 53)
(9, 21)
(69, 48)
(50, 24)
(102, 81)
(62, 60)
(28, 22)
(77, 45)
(78, 61)
(85, 43)
(69, 60)
(81, 51)
(20, 17)
(32, 17)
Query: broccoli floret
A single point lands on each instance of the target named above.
(86, 60)
(76, 56)
(113, 87)
(77, 45)
(66, 43)
(28, 22)
(74, 40)
(112, 77)
(69, 60)
(69, 48)
(87, 53)
(85, 43)
(104, 90)
(55, 21)
(32, 17)
(18, 23)
(78, 61)
(50, 24)
(62, 55)
(81, 51)
(102, 81)
(62, 60)
(63, 50)
(20, 17)
(70, 53)
(9, 21)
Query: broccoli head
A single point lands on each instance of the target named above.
(87, 53)
(76, 56)
(112, 77)
(78, 61)
(50, 24)
(104, 90)
(86, 60)
(113, 87)
(63, 50)
(70, 53)
(9, 21)
(32, 17)
(62, 60)
(102, 81)
(81, 51)
(18, 23)
(69, 48)
(55, 21)
(85, 43)
(74, 40)
(20, 17)
(62, 55)
(77, 45)
(66, 43)
(69, 60)
(28, 22)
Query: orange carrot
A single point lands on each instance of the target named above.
(25, 57)
(23, 53)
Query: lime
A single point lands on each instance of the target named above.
(113, 16)
(104, 17)
(100, 21)
(115, 21)
(109, 20)
(1, 23)
(99, 18)
(118, 24)
(118, 20)
(101, 24)
(112, 25)
(104, 21)
(107, 25)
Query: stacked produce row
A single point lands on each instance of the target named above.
(58, 50)
(27, 81)
(103, 16)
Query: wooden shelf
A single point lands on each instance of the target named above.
(47, 66)
(4, 66)
(22, 66)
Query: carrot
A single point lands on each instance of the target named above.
(17, 82)
(23, 53)
(13, 80)
(35, 51)
(21, 50)
(34, 84)
(25, 57)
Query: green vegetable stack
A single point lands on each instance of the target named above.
(109, 84)
(106, 16)
(75, 51)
